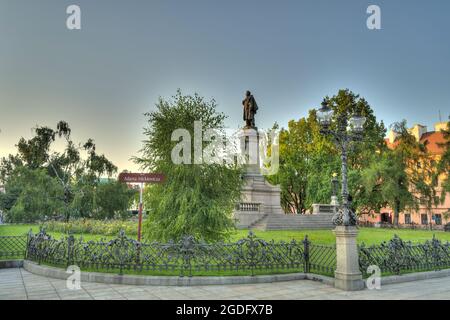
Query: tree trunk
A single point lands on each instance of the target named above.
(430, 219)
(66, 204)
(396, 213)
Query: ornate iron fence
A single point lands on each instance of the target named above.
(250, 255)
(397, 256)
(187, 257)
(12, 247)
(322, 259)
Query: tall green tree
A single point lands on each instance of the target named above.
(386, 183)
(195, 199)
(346, 103)
(420, 166)
(37, 196)
(443, 166)
(308, 159)
(425, 182)
(77, 168)
(112, 200)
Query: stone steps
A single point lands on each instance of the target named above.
(294, 222)
(259, 222)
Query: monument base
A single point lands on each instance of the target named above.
(258, 197)
(258, 191)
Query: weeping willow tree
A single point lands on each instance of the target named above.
(197, 198)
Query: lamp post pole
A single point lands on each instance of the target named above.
(342, 137)
(346, 130)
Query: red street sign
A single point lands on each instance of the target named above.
(141, 177)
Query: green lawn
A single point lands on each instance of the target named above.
(22, 229)
(366, 235)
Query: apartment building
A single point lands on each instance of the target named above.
(440, 215)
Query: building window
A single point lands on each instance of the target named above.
(385, 218)
(407, 218)
(424, 218)
(437, 219)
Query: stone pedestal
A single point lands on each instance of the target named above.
(249, 140)
(258, 197)
(347, 276)
(256, 189)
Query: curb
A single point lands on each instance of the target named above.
(109, 278)
(6, 264)
(415, 277)
(99, 277)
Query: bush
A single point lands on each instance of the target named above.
(107, 228)
(196, 199)
(32, 196)
(447, 227)
(112, 200)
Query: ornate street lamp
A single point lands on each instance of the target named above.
(324, 114)
(334, 190)
(344, 132)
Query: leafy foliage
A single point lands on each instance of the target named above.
(308, 159)
(90, 226)
(420, 167)
(42, 183)
(386, 183)
(111, 200)
(34, 195)
(196, 199)
(443, 167)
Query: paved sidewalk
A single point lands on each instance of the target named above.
(20, 284)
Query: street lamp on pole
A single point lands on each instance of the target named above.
(334, 190)
(346, 130)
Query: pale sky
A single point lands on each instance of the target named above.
(290, 54)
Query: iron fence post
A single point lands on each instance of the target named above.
(29, 234)
(252, 251)
(306, 245)
(70, 243)
(187, 247)
(120, 250)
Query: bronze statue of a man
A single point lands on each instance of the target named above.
(250, 108)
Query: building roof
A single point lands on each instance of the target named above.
(430, 139)
(392, 145)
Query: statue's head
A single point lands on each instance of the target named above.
(248, 93)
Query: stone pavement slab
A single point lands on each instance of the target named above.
(18, 284)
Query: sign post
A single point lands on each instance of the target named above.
(141, 188)
(141, 178)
